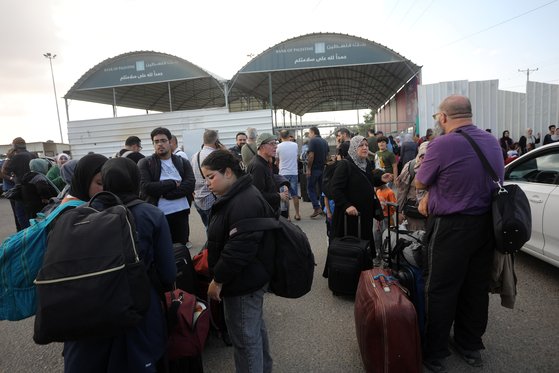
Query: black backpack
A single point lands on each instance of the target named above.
(294, 260)
(326, 177)
(92, 281)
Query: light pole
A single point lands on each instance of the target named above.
(50, 57)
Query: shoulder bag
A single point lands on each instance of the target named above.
(512, 217)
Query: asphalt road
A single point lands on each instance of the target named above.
(317, 333)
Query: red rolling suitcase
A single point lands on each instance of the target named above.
(386, 324)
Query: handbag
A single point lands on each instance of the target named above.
(411, 210)
(15, 193)
(200, 261)
(188, 321)
(512, 216)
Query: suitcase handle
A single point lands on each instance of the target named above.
(358, 224)
(396, 207)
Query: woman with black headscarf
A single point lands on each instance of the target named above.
(86, 181)
(352, 188)
(137, 349)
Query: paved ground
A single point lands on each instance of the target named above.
(317, 334)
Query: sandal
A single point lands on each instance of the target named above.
(297, 217)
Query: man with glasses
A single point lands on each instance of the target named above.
(260, 167)
(132, 148)
(165, 181)
(460, 246)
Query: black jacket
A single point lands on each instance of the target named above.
(242, 263)
(350, 186)
(263, 179)
(151, 188)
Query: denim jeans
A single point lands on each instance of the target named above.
(314, 189)
(243, 315)
(21, 216)
(204, 215)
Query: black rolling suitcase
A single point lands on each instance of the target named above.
(347, 257)
(404, 258)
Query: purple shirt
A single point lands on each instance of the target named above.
(457, 181)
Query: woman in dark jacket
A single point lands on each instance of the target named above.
(241, 263)
(137, 349)
(37, 189)
(506, 141)
(352, 188)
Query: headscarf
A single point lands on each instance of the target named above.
(408, 138)
(67, 170)
(87, 167)
(121, 176)
(39, 165)
(352, 152)
(62, 155)
(421, 151)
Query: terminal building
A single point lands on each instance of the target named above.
(313, 73)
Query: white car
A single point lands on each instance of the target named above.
(537, 173)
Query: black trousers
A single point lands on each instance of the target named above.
(178, 224)
(457, 267)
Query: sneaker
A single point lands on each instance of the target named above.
(434, 365)
(472, 357)
(316, 213)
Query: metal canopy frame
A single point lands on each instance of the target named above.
(311, 73)
(369, 75)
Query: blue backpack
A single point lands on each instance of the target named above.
(21, 257)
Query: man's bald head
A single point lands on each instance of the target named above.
(456, 106)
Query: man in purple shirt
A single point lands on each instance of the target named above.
(459, 255)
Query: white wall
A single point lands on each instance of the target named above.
(493, 108)
(106, 136)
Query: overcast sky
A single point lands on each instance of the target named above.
(452, 40)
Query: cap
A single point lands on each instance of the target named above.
(264, 138)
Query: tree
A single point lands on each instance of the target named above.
(369, 119)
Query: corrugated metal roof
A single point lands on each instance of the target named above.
(142, 80)
(311, 73)
(325, 72)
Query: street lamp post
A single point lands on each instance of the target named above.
(50, 57)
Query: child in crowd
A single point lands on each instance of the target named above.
(384, 194)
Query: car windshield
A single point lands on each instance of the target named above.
(542, 169)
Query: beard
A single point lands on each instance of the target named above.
(438, 130)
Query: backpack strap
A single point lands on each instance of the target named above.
(411, 171)
(252, 151)
(198, 163)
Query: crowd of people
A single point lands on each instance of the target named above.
(513, 149)
(437, 180)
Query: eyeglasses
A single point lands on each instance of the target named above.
(274, 143)
(437, 114)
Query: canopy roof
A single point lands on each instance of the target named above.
(311, 73)
(144, 80)
(325, 72)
